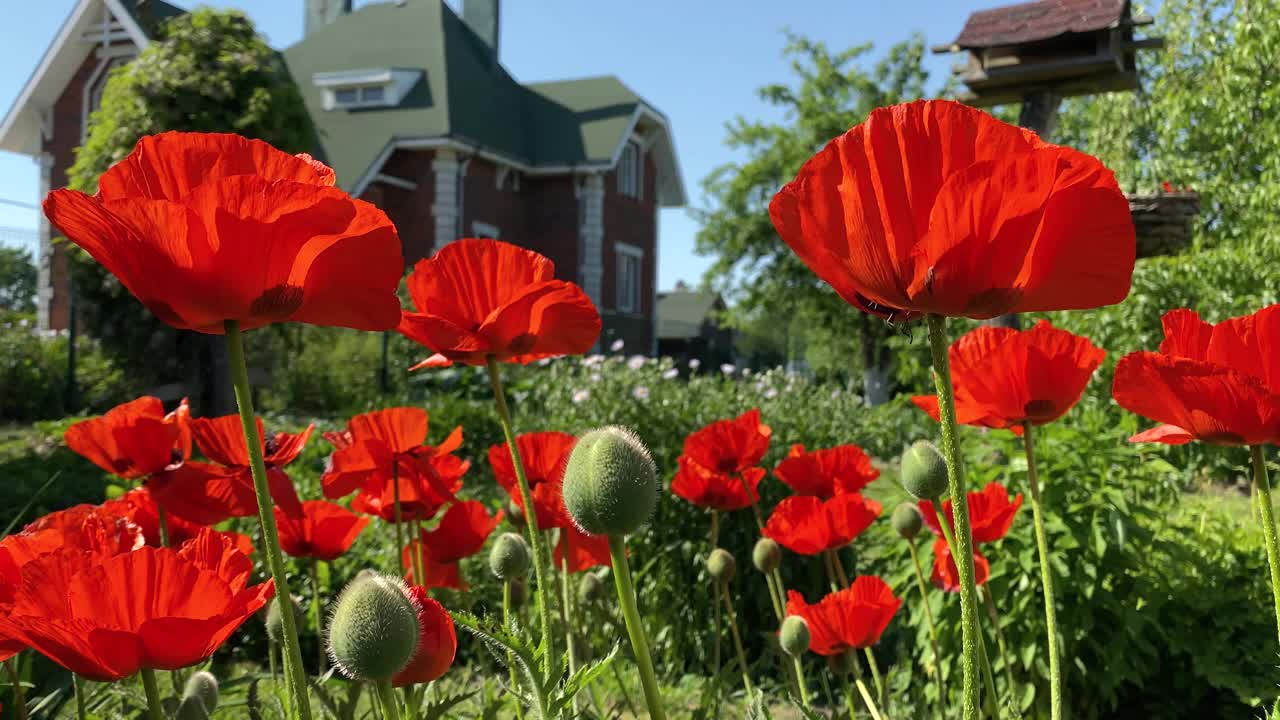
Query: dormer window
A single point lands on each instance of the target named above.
(631, 170)
(352, 89)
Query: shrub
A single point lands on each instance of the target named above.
(33, 373)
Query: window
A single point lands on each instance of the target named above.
(372, 94)
(628, 264)
(631, 170)
(371, 88)
(346, 96)
(485, 230)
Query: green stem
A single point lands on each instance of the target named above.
(1000, 642)
(295, 679)
(779, 608)
(622, 690)
(387, 697)
(164, 524)
(566, 610)
(839, 566)
(396, 516)
(988, 678)
(737, 641)
(155, 711)
(1046, 578)
(956, 486)
(530, 516)
(933, 628)
(631, 615)
(1263, 485)
(800, 682)
(82, 711)
(419, 551)
(317, 612)
(875, 676)
(866, 698)
(271, 660)
(511, 662)
(19, 696)
(715, 538)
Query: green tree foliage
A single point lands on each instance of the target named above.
(17, 281)
(206, 71)
(831, 93)
(1207, 116)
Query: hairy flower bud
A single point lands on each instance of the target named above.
(275, 621)
(721, 565)
(610, 482)
(924, 471)
(191, 708)
(509, 556)
(793, 636)
(907, 520)
(766, 555)
(590, 587)
(514, 513)
(203, 685)
(374, 630)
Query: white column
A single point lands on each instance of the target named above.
(445, 209)
(592, 231)
(44, 257)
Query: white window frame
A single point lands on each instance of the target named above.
(394, 84)
(628, 293)
(485, 230)
(630, 172)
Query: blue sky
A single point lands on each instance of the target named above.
(699, 61)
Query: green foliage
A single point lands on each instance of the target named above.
(17, 281)
(33, 373)
(832, 93)
(1206, 117)
(207, 71)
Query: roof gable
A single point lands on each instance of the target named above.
(681, 313)
(1040, 20)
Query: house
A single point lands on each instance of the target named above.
(416, 114)
(689, 327)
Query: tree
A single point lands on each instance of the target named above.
(206, 71)
(17, 281)
(752, 265)
(1206, 118)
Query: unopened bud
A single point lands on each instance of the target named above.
(721, 565)
(793, 636)
(203, 685)
(924, 470)
(766, 555)
(275, 621)
(374, 630)
(509, 556)
(589, 587)
(907, 520)
(610, 482)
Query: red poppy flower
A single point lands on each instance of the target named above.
(713, 490)
(324, 531)
(1005, 377)
(1219, 384)
(583, 551)
(462, 531)
(139, 507)
(482, 298)
(133, 440)
(437, 641)
(435, 574)
(379, 444)
(82, 529)
(205, 493)
(10, 647)
(851, 618)
(543, 455)
(828, 472)
(730, 446)
(180, 218)
(426, 484)
(105, 618)
(990, 513)
(935, 207)
(946, 576)
(807, 525)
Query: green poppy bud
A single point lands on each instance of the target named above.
(610, 482)
(514, 513)
(509, 556)
(907, 520)
(590, 587)
(518, 593)
(721, 565)
(202, 685)
(191, 708)
(766, 555)
(794, 636)
(924, 471)
(842, 663)
(275, 621)
(374, 630)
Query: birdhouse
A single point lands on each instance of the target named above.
(1066, 47)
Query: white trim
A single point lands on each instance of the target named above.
(66, 33)
(395, 84)
(114, 51)
(485, 230)
(394, 181)
(628, 249)
(591, 236)
(634, 302)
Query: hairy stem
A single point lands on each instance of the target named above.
(155, 711)
(631, 615)
(1046, 578)
(1263, 485)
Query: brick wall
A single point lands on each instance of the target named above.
(410, 210)
(551, 222)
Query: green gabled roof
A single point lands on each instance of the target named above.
(681, 313)
(463, 95)
(159, 9)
